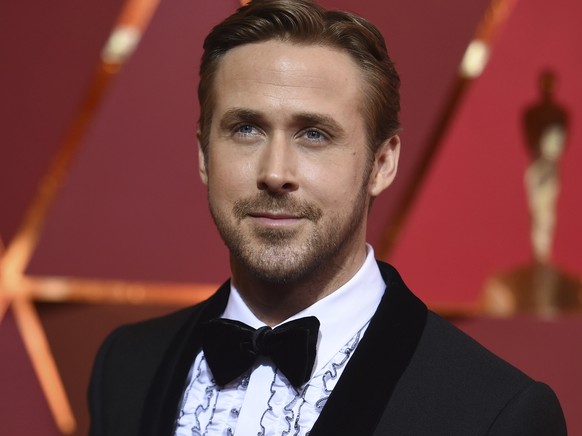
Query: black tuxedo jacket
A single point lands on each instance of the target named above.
(413, 373)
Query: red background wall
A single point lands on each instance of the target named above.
(132, 207)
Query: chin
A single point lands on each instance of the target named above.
(279, 264)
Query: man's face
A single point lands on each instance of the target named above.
(288, 170)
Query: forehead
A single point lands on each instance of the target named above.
(288, 73)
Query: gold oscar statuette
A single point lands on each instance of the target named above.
(539, 287)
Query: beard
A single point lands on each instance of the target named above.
(284, 255)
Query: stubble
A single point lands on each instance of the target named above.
(282, 255)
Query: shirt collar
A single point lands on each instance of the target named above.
(355, 301)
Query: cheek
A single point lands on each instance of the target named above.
(229, 180)
(335, 183)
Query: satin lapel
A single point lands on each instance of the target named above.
(166, 390)
(364, 389)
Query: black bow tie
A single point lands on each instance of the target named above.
(231, 347)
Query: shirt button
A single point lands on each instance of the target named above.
(229, 432)
(234, 412)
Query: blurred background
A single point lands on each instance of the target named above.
(103, 219)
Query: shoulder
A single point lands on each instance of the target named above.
(152, 333)
(450, 363)
(134, 342)
(455, 386)
(142, 345)
(463, 387)
(535, 410)
(124, 368)
(455, 353)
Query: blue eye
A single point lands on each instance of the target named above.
(246, 129)
(314, 134)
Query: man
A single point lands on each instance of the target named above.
(298, 135)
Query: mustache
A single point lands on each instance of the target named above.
(265, 203)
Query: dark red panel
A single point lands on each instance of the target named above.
(49, 52)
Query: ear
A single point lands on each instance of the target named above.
(202, 170)
(385, 166)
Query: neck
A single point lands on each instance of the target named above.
(273, 302)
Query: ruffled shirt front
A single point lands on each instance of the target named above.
(262, 402)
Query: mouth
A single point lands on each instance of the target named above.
(275, 219)
(275, 211)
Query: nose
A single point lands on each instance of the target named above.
(277, 167)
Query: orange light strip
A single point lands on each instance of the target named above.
(45, 367)
(4, 303)
(495, 16)
(53, 289)
(4, 300)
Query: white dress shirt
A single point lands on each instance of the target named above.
(262, 402)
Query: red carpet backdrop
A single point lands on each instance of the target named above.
(104, 221)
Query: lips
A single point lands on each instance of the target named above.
(274, 215)
(275, 209)
(275, 218)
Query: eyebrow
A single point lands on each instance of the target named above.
(239, 114)
(324, 121)
(236, 115)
